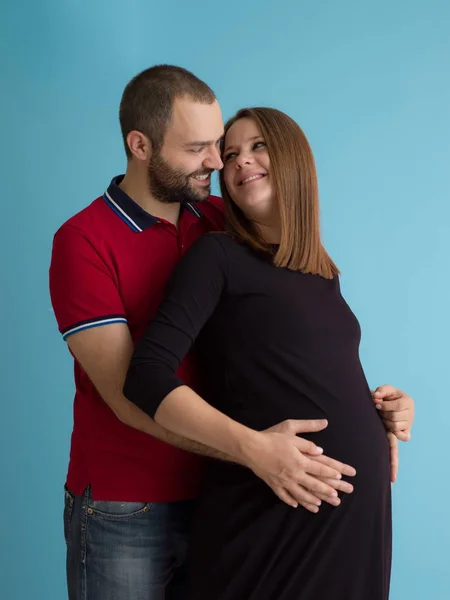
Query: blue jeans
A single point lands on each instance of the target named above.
(126, 550)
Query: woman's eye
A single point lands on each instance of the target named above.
(229, 155)
(259, 145)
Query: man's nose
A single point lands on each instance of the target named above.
(213, 160)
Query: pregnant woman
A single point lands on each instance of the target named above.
(276, 341)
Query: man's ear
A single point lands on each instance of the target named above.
(140, 146)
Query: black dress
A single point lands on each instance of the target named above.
(274, 344)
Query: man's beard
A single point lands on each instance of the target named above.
(170, 185)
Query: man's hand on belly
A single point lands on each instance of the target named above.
(396, 410)
(393, 447)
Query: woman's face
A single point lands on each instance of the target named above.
(247, 170)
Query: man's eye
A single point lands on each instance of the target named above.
(197, 150)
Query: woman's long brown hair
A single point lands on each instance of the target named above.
(294, 181)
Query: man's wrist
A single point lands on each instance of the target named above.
(246, 446)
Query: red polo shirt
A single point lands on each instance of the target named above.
(110, 264)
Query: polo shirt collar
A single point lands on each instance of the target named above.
(130, 212)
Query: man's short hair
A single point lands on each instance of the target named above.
(148, 99)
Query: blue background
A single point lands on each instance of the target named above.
(368, 82)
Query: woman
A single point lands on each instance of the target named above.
(264, 300)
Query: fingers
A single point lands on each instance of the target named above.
(385, 391)
(335, 464)
(403, 436)
(304, 496)
(299, 495)
(402, 415)
(397, 415)
(285, 497)
(397, 421)
(310, 507)
(296, 495)
(339, 485)
(304, 425)
(307, 447)
(401, 404)
(393, 446)
(317, 486)
(314, 496)
(396, 426)
(313, 467)
(332, 500)
(342, 486)
(314, 508)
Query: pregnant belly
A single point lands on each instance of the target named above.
(355, 433)
(359, 440)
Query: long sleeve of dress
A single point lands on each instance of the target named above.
(193, 293)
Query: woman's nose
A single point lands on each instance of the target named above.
(244, 158)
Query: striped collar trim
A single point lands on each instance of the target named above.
(130, 212)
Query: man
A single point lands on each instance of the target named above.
(130, 485)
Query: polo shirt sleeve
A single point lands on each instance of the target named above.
(83, 289)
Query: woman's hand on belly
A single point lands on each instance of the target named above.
(294, 468)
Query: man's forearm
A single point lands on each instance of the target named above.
(132, 416)
(104, 353)
(186, 414)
